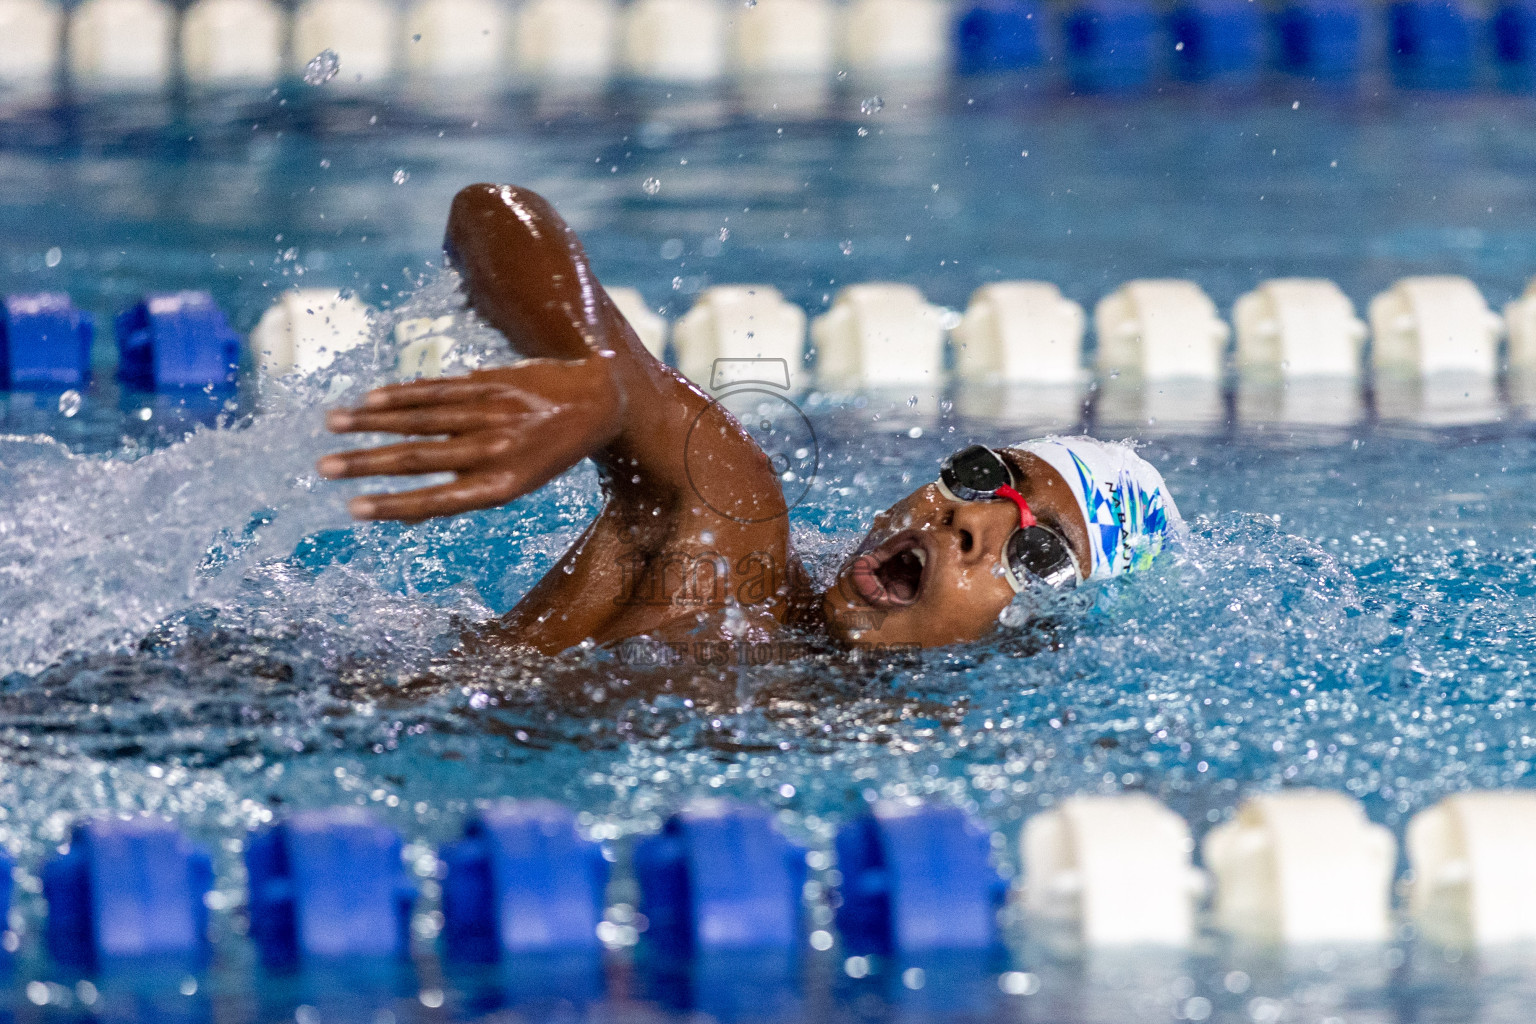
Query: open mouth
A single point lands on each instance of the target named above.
(892, 574)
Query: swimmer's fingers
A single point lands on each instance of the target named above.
(468, 493)
(411, 458)
(525, 384)
(452, 419)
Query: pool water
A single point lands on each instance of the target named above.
(191, 626)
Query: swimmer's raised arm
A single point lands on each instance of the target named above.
(587, 388)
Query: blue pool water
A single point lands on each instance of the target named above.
(191, 626)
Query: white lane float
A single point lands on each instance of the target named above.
(1423, 326)
(650, 325)
(880, 335)
(1435, 351)
(1161, 354)
(29, 60)
(1298, 327)
(456, 39)
(679, 41)
(364, 35)
(881, 38)
(306, 328)
(1473, 860)
(1299, 353)
(784, 37)
(741, 323)
(567, 40)
(1160, 330)
(1118, 869)
(233, 42)
(1020, 332)
(122, 45)
(1302, 866)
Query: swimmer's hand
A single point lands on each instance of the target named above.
(501, 432)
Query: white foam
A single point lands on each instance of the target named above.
(94, 552)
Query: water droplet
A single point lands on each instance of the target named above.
(401, 176)
(53, 256)
(1179, 46)
(69, 402)
(677, 284)
(322, 68)
(863, 131)
(847, 246)
(873, 105)
(416, 38)
(1296, 105)
(725, 234)
(325, 164)
(749, 3)
(650, 186)
(842, 75)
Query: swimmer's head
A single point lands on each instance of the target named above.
(939, 566)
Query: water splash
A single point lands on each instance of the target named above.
(322, 67)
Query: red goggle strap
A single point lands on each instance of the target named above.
(1026, 517)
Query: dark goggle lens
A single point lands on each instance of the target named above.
(976, 469)
(1042, 554)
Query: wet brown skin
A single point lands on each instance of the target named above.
(658, 561)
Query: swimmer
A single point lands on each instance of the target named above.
(660, 561)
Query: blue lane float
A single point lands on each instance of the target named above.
(326, 885)
(45, 343)
(1430, 44)
(176, 340)
(522, 881)
(1514, 43)
(1319, 39)
(917, 879)
(1108, 45)
(999, 35)
(127, 890)
(720, 877)
(1216, 40)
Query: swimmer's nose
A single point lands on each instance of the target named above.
(979, 529)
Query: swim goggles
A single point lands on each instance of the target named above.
(1033, 551)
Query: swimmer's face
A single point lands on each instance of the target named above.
(930, 570)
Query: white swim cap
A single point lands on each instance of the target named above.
(1124, 500)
